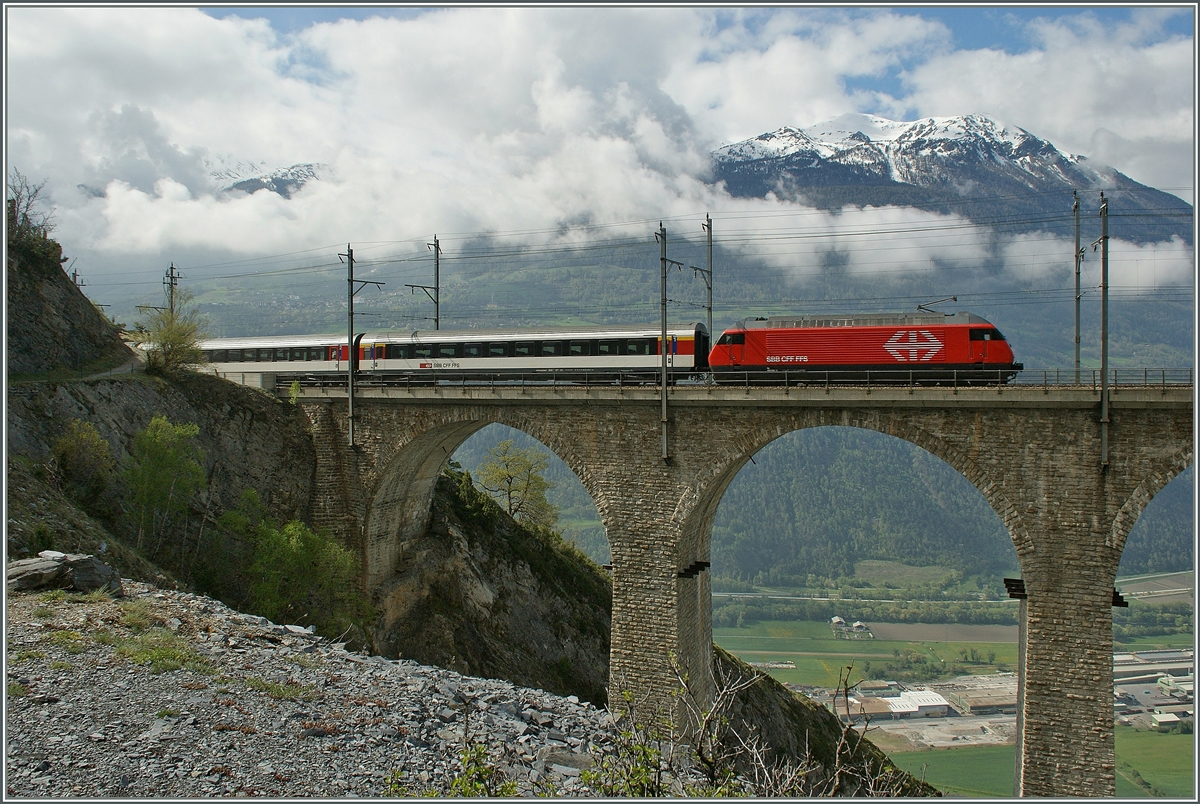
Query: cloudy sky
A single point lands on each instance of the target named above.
(467, 120)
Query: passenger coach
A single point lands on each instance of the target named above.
(549, 355)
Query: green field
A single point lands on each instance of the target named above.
(1162, 642)
(1162, 760)
(820, 658)
(978, 772)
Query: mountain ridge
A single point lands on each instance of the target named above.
(971, 165)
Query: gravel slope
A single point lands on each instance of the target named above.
(258, 709)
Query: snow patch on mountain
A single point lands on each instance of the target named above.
(249, 177)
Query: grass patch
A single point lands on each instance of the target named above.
(53, 596)
(984, 771)
(136, 615)
(1164, 761)
(163, 652)
(28, 656)
(289, 691)
(893, 574)
(43, 612)
(68, 641)
(1161, 642)
(59, 664)
(16, 690)
(820, 657)
(307, 662)
(1149, 763)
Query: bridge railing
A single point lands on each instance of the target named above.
(1125, 376)
(925, 375)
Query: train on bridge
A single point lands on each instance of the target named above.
(924, 348)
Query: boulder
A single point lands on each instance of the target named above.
(54, 570)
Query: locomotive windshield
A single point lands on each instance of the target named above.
(732, 338)
(991, 334)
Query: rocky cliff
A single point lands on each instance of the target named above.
(51, 324)
(482, 595)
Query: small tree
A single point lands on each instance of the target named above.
(25, 220)
(85, 464)
(514, 477)
(163, 475)
(305, 577)
(172, 336)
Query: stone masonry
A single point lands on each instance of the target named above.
(1033, 452)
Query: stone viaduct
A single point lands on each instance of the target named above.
(1034, 452)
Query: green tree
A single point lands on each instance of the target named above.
(163, 474)
(305, 577)
(85, 464)
(514, 476)
(171, 336)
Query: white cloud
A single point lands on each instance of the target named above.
(503, 119)
(1087, 88)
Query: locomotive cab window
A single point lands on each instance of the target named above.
(732, 338)
(986, 335)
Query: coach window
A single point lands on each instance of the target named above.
(579, 349)
(447, 350)
(523, 349)
(282, 354)
(472, 350)
(608, 348)
(422, 351)
(299, 354)
(497, 350)
(551, 348)
(218, 356)
(637, 346)
(266, 355)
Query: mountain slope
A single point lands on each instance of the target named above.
(971, 165)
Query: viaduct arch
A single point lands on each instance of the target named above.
(1033, 453)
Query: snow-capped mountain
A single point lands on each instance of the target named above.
(249, 178)
(972, 165)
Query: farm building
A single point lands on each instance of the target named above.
(984, 701)
(878, 689)
(910, 703)
(1164, 721)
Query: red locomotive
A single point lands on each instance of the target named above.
(884, 347)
